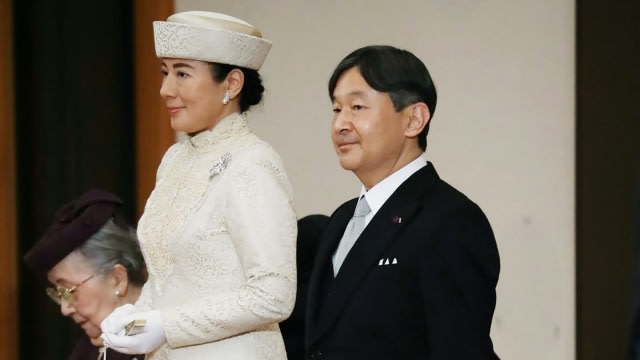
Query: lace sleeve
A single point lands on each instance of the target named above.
(166, 159)
(144, 300)
(262, 227)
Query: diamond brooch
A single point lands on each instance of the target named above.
(219, 165)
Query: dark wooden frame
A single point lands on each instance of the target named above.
(8, 255)
(153, 131)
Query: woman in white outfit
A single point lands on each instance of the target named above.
(218, 231)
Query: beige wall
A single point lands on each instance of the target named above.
(503, 132)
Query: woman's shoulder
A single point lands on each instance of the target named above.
(173, 150)
(258, 150)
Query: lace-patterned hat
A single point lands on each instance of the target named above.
(211, 37)
(74, 224)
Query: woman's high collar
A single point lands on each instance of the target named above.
(232, 125)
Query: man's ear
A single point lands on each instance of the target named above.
(234, 82)
(419, 117)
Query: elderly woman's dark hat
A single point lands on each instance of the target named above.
(74, 224)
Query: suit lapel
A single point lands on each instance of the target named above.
(366, 252)
(322, 264)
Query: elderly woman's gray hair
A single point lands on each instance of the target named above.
(112, 245)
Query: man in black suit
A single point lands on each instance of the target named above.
(419, 281)
(310, 230)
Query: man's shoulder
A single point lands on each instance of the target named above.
(439, 193)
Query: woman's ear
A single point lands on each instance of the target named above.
(419, 117)
(235, 81)
(120, 280)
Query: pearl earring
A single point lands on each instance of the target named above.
(226, 98)
(118, 293)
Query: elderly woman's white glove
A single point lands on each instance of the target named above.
(149, 339)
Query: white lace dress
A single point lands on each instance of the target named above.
(218, 234)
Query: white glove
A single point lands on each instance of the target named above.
(149, 339)
(110, 323)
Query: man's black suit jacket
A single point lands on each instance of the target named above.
(419, 283)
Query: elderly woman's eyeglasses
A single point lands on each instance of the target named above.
(59, 293)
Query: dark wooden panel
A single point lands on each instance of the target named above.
(74, 131)
(8, 271)
(608, 145)
(153, 131)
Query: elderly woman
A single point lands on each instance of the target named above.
(92, 258)
(218, 231)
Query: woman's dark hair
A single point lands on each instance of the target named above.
(251, 93)
(396, 72)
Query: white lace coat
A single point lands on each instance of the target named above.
(219, 238)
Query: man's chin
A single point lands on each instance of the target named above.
(347, 164)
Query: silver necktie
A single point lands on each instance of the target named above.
(354, 228)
